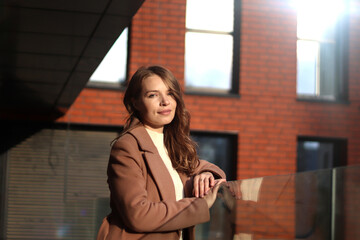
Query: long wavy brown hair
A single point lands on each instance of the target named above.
(181, 148)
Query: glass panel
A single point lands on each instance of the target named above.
(112, 69)
(317, 205)
(208, 61)
(218, 149)
(346, 198)
(313, 191)
(215, 15)
(307, 64)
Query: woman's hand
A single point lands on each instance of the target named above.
(202, 183)
(210, 197)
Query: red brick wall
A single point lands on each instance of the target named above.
(94, 106)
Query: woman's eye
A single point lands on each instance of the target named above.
(151, 95)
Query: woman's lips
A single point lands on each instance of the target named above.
(165, 112)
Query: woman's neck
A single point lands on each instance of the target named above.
(158, 130)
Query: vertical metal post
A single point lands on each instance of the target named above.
(333, 203)
(3, 193)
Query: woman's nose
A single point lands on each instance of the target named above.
(165, 100)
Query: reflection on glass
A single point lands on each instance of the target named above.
(317, 205)
(112, 69)
(208, 60)
(213, 15)
(217, 149)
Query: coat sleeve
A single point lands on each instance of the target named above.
(206, 166)
(129, 195)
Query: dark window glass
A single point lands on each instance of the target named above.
(315, 153)
(219, 149)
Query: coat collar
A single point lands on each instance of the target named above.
(156, 165)
(144, 139)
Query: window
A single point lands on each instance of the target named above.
(211, 64)
(321, 49)
(319, 153)
(220, 149)
(315, 190)
(113, 68)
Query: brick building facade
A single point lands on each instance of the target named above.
(265, 119)
(266, 115)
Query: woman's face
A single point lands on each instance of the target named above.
(156, 103)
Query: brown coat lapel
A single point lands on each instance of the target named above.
(155, 163)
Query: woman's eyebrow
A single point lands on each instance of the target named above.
(151, 91)
(156, 91)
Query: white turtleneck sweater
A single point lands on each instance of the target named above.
(158, 140)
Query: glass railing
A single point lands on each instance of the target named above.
(322, 204)
(318, 205)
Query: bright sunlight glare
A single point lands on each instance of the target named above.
(315, 17)
(113, 66)
(213, 15)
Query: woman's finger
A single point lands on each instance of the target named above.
(206, 185)
(211, 197)
(196, 186)
(201, 187)
(212, 181)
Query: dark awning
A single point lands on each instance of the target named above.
(49, 50)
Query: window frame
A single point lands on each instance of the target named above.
(235, 69)
(342, 55)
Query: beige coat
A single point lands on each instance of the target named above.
(142, 195)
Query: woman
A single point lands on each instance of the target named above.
(159, 189)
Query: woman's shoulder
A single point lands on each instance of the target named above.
(132, 136)
(125, 138)
(136, 138)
